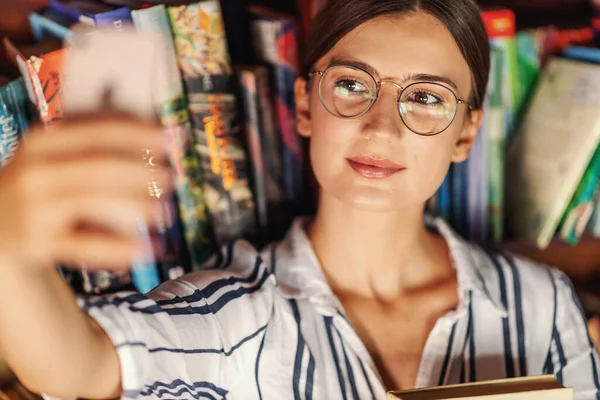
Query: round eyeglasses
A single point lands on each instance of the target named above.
(426, 108)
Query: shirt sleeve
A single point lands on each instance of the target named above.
(154, 334)
(185, 339)
(572, 358)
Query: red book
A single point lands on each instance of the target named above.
(43, 78)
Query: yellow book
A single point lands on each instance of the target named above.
(526, 388)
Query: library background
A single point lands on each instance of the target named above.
(531, 184)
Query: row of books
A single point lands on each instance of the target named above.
(238, 163)
(534, 167)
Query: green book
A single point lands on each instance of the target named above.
(175, 118)
(580, 209)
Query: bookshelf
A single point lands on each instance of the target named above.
(581, 262)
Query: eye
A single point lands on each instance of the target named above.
(425, 98)
(349, 85)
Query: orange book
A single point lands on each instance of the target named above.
(42, 73)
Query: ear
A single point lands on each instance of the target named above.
(467, 137)
(302, 97)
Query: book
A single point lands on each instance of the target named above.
(174, 117)
(42, 75)
(548, 156)
(275, 38)
(50, 23)
(582, 53)
(496, 145)
(248, 86)
(594, 223)
(92, 13)
(15, 114)
(524, 388)
(217, 139)
(580, 208)
(501, 27)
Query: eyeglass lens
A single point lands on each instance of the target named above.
(425, 108)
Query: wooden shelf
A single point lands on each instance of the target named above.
(580, 262)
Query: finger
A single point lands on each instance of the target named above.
(116, 175)
(97, 250)
(118, 214)
(116, 136)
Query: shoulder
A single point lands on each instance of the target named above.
(504, 271)
(521, 285)
(237, 277)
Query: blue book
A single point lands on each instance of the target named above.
(444, 198)
(50, 24)
(92, 13)
(581, 53)
(15, 114)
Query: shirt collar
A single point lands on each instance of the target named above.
(300, 276)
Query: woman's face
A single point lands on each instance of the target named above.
(375, 162)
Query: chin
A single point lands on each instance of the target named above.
(373, 200)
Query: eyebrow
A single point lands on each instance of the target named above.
(408, 77)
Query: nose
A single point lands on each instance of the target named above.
(382, 122)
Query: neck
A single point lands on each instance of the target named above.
(374, 255)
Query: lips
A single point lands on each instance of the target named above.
(373, 167)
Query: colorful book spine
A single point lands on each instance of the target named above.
(481, 223)
(248, 85)
(594, 225)
(581, 53)
(276, 42)
(49, 24)
(496, 147)
(201, 48)
(14, 118)
(42, 76)
(175, 119)
(501, 27)
(478, 187)
(459, 198)
(270, 140)
(444, 198)
(92, 13)
(581, 207)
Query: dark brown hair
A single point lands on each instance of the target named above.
(461, 17)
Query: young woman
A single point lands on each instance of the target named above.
(369, 295)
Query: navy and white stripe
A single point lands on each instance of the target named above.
(245, 330)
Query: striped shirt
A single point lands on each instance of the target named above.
(267, 326)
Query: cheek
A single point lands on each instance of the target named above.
(330, 137)
(430, 160)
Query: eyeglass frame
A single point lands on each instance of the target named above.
(378, 84)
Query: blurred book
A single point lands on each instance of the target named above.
(593, 226)
(175, 118)
(92, 13)
(41, 69)
(526, 388)
(275, 37)
(15, 114)
(580, 208)
(547, 158)
(217, 139)
(51, 24)
(501, 27)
